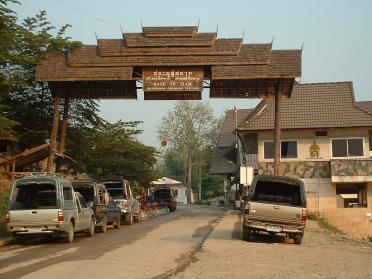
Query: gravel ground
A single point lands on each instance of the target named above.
(323, 254)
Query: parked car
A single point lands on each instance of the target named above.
(47, 205)
(165, 195)
(276, 204)
(104, 207)
(122, 194)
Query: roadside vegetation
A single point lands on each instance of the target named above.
(93, 145)
(191, 132)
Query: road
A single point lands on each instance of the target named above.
(149, 249)
(193, 242)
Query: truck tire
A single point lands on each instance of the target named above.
(297, 240)
(247, 234)
(69, 237)
(117, 223)
(129, 219)
(91, 228)
(137, 218)
(103, 228)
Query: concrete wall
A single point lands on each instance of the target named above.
(306, 138)
(352, 221)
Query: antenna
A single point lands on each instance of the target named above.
(141, 23)
(217, 30)
(121, 29)
(302, 47)
(272, 40)
(243, 35)
(198, 23)
(95, 34)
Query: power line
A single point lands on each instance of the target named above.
(88, 14)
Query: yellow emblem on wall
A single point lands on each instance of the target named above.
(314, 150)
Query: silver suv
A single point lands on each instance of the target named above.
(47, 205)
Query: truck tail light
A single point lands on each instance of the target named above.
(7, 218)
(98, 211)
(126, 206)
(246, 209)
(60, 216)
(304, 215)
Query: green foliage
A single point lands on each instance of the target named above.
(202, 202)
(26, 106)
(212, 186)
(191, 131)
(111, 150)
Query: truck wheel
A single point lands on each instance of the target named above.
(247, 234)
(103, 228)
(117, 222)
(69, 237)
(129, 219)
(91, 228)
(138, 218)
(297, 240)
(19, 239)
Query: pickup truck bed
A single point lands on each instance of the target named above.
(275, 205)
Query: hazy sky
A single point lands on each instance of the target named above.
(337, 38)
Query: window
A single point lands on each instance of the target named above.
(321, 133)
(268, 150)
(347, 147)
(288, 149)
(67, 193)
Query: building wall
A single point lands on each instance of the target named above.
(181, 194)
(306, 138)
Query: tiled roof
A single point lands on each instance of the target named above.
(311, 106)
(224, 59)
(365, 105)
(221, 165)
(118, 47)
(227, 136)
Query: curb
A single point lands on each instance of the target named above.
(206, 206)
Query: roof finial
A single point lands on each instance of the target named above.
(243, 35)
(198, 23)
(217, 30)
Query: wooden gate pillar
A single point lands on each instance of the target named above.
(53, 134)
(63, 134)
(277, 128)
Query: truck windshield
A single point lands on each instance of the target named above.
(86, 191)
(115, 190)
(277, 192)
(34, 196)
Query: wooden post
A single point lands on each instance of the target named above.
(278, 96)
(63, 134)
(53, 134)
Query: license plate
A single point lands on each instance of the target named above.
(35, 229)
(271, 228)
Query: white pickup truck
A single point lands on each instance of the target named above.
(47, 205)
(121, 192)
(276, 205)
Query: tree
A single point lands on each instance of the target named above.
(111, 150)
(189, 128)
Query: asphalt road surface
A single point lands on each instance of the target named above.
(155, 248)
